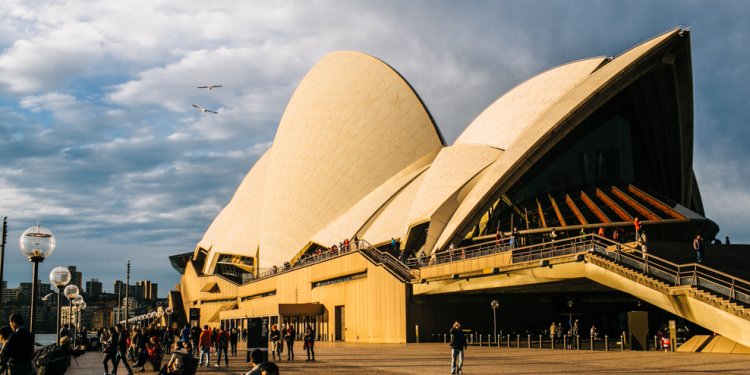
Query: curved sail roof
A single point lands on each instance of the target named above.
(352, 124)
(356, 152)
(549, 127)
(502, 122)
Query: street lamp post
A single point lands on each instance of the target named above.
(127, 303)
(494, 304)
(79, 315)
(77, 303)
(71, 292)
(36, 243)
(59, 277)
(169, 312)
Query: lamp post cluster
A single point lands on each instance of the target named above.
(150, 316)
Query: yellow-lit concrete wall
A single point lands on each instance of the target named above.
(375, 306)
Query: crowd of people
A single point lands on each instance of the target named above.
(193, 347)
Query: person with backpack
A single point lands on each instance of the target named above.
(458, 345)
(222, 343)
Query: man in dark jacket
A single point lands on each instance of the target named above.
(458, 345)
(18, 351)
(122, 348)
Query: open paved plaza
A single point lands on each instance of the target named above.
(349, 358)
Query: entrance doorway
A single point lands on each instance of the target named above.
(339, 323)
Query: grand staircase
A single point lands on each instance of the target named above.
(710, 298)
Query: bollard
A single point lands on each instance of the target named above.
(509, 340)
(552, 340)
(606, 343)
(518, 341)
(480, 339)
(591, 340)
(499, 338)
(656, 343)
(540, 341)
(565, 342)
(528, 340)
(445, 338)
(578, 342)
(622, 343)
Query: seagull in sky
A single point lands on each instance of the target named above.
(47, 296)
(210, 87)
(205, 110)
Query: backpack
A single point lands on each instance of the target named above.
(223, 339)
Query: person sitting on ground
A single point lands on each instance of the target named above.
(269, 368)
(177, 363)
(152, 353)
(256, 359)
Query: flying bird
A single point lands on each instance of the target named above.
(210, 87)
(205, 110)
(47, 296)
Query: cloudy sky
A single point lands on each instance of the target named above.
(98, 139)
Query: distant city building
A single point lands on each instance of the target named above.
(101, 317)
(9, 295)
(42, 290)
(93, 289)
(76, 277)
(146, 290)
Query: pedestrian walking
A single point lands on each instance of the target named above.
(698, 247)
(233, 341)
(222, 344)
(122, 348)
(553, 331)
(310, 342)
(205, 345)
(195, 335)
(110, 351)
(458, 345)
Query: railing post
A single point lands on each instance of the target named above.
(565, 342)
(518, 341)
(498, 339)
(552, 342)
(731, 291)
(540, 341)
(480, 339)
(656, 342)
(606, 343)
(578, 342)
(695, 276)
(622, 342)
(528, 339)
(445, 338)
(591, 343)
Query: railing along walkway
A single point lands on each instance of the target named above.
(695, 275)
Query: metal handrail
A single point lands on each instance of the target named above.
(693, 274)
(673, 274)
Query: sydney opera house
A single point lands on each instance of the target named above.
(358, 165)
